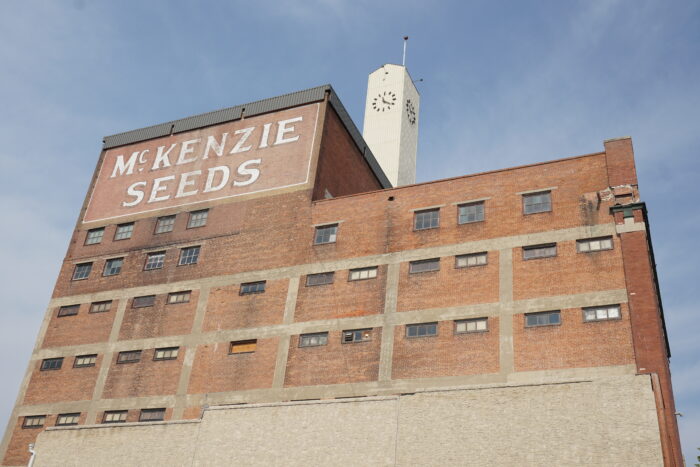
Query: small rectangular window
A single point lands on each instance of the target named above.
(594, 244)
(546, 318)
(540, 251)
(470, 260)
(152, 415)
(325, 234)
(601, 313)
(247, 346)
(362, 274)
(143, 301)
(167, 353)
(129, 356)
(113, 266)
(179, 297)
(471, 212)
(100, 307)
(313, 340)
(189, 255)
(34, 421)
(124, 231)
(82, 361)
(51, 364)
(115, 416)
(319, 279)
(424, 265)
(65, 419)
(252, 287)
(356, 335)
(471, 325)
(70, 310)
(537, 202)
(421, 330)
(154, 261)
(198, 219)
(165, 224)
(94, 236)
(428, 219)
(82, 271)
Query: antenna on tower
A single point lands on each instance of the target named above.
(403, 62)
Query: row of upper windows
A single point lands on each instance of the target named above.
(110, 416)
(163, 225)
(155, 260)
(142, 301)
(129, 356)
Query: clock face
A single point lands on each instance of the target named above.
(410, 112)
(384, 101)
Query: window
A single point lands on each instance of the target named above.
(94, 236)
(252, 287)
(546, 318)
(154, 261)
(168, 353)
(198, 219)
(99, 307)
(470, 260)
(424, 265)
(356, 335)
(471, 212)
(362, 273)
(179, 297)
(421, 330)
(82, 271)
(115, 416)
(152, 415)
(540, 251)
(537, 202)
(82, 361)
(113, 266)
(129, 356)
(165, 224)
(189, 255)
(313, 340)
(594, 244)
(51, 364)
(601, 313)
(325, 234)
(70, 310)
(143, 301)
(34, 421)
(428, 219)
(124, 231)
(246, 346)
(471, 325)
(319, 279)
(67, 419)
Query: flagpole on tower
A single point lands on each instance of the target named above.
(403, 62)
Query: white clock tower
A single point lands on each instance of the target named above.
(391, 122)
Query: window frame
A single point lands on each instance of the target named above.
(370, 269)
(412, 264)
(78, 266)
(75, 415)
(107, 265)
(115, 412)
(93, 305)
(92, 357)
(153, 255)
(330, 274)
(164, 219)
(595, 309)
(67, 310)
(542, 313)
(160, 411)
(124, 361)
(353, 333)
(243, 343)
(310, 335)
(46, 366)
(152, 303)
(27, 418)
(193, 219)
(485, 254)
(185, 293)
(587, 241)
(418, 215)
(418, 327)
(100, 230)
(527, 196)
(126, 226)
(482, 204)
(252, 288)
(184, 255)
(471, 320)
(169, 351)
(539, 247)
(320, 232)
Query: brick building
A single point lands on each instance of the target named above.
(246, 284)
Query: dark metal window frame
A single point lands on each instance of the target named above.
(122, 356)
(110, 269)
(75, 415)
(311, 278)
(198, 218)
(479, 215)
(539, 247)
(115, 412)
(596, 319)
(27, 418)
(94, 305)
(595, 239)
(90, 236)
(156, 358)
(471, 255)
(142, 302)
(414, 267)
(81, 267)
(422, 327)
(159, 263)
(250, 288)
(360, 271)
(528, 207)
(122, 230)
(426, 219)
(233, 344)
(68, 310)
(543, 313)
(353, 335)
(311, 335)
(324, 234)
(146, 414)
(165, 221)
(85, 365)
(184, 293)
(471, 320)
(51, 364)
(186, 257)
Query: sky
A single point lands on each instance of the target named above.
(504, 84)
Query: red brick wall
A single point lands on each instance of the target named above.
(227, 309)
(144, 378)
(161, 319)
(65, 384)
(83, 328)
(620, 161)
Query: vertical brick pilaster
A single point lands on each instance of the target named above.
(619, 157)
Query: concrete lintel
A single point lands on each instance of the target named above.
(539, 190)
(468, 201)
(631, 227)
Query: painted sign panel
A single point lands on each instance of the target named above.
(253, 155)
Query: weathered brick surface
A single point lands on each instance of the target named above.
(17, 451)
(620, 162)
(342, 298)
(227, 309)
(334, 363)
(215, 370)
(447, 354)
(83, 328)
(574, 343)
(66, 384)
(450, 286)
(144, 378)
(161, 319)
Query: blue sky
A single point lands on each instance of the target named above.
(505, 83)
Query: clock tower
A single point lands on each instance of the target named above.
(391, 122)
